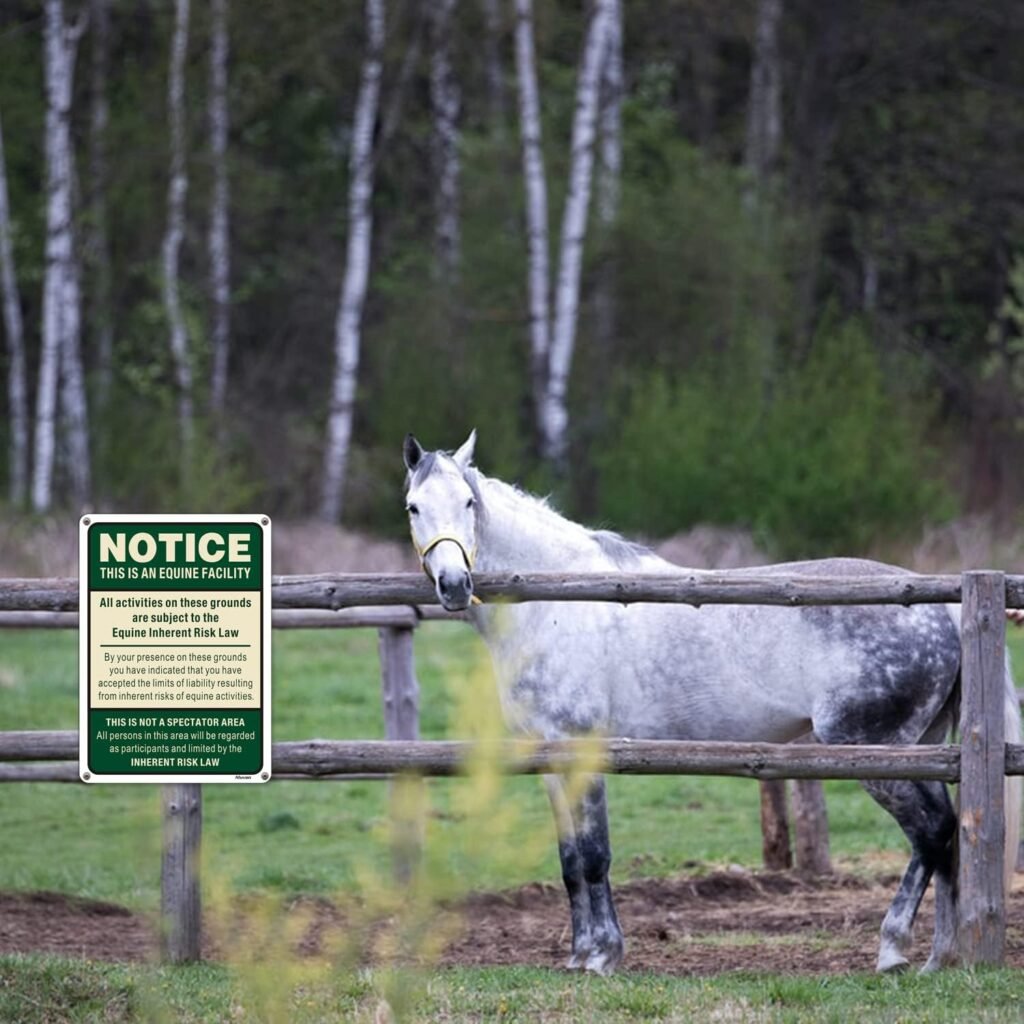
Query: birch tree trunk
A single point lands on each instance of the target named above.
(609, 181)
(495, 73)
(535, 182)
(445, 102)
(218, 244)
(761, 154)
(97, 243)
(610, 121)
(348, 325)
(177, 190)
(74, 408)
(17, 381)
(61, 315)
(764, 111)
(555, 414)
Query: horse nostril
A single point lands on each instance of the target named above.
(455, 584)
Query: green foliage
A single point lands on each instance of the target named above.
(847, 460)
(693, 267)
(827, 460)
(139, 455)
(905, 177)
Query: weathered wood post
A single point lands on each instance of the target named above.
(776, 850)
(982, 769)
(810, 825)
(400, 692)
(180, 906)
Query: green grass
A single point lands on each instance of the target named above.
(40, 990)
(292, 837)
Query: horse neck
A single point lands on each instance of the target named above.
(517, 533)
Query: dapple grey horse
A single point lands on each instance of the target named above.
(852, 674)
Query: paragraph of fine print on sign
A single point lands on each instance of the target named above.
(174, 648)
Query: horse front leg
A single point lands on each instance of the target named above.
(572, 874)
(590, 817)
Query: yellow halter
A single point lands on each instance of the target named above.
(468, 556)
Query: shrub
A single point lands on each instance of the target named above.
(822, 462)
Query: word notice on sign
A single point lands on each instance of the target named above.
(174, 648)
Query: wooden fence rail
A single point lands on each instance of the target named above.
(694, 588)
(980, 763)
(447, 758)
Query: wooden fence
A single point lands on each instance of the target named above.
(978, 764)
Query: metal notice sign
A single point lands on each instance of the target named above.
(174, 648)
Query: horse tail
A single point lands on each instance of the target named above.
(1013, 785)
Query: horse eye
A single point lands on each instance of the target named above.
(470, 503)
(412, 510)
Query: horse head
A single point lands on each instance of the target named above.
(443, 518)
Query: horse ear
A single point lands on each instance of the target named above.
(464, 456)
(412, 452)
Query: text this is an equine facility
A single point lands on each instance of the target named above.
(175, 648)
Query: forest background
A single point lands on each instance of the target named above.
(748, 262)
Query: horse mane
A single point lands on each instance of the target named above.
(623, 552)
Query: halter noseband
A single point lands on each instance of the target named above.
(468, 556)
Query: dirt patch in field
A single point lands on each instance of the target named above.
(725, 921)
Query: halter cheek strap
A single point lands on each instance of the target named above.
(468, 556)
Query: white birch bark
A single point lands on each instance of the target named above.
(555, 413)
(348, 325)
(97, 242)
(74, 409)
(177, 190)
(17, 380)
(764, 111)
(61, 315)
(535, 183)
(445, 102)
(609, 178)
(218, 243)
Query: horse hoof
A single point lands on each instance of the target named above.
(937, 963)
(892, 962)
(600, 963)
(577, 961)
(604, 961)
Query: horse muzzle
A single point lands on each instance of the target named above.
(455, 589)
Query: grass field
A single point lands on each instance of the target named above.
(40, 990)
(293, 837)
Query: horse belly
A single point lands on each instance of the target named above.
(736, 673)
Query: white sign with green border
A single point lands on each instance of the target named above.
(174, 648)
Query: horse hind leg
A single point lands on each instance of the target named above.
(925, 813)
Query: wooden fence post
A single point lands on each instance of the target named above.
(982, 769)
(179, 876)
(810, 827)
(775, 847)
(400, 693)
